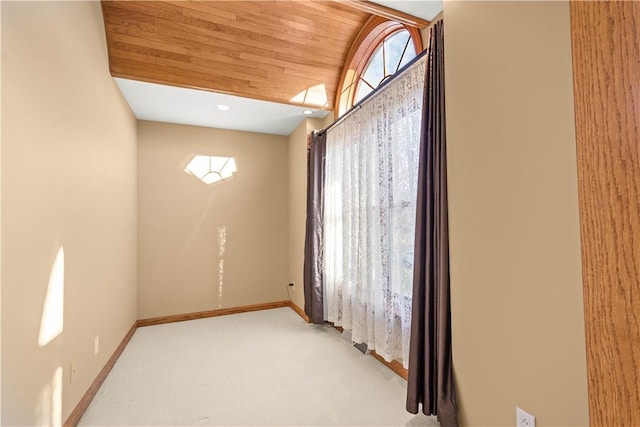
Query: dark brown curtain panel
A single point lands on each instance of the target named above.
(430, 382)
(313, 305)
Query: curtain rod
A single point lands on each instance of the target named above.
(374, 92)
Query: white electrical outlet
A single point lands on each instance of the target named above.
(524, 419)
(96, 345)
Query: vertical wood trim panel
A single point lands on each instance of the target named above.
(606, 61)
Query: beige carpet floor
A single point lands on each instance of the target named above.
(266, 368)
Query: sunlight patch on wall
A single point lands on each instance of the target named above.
(220, 281)
(222, 245)
(49, 410)
(52, 320)
(211, 169)
(315, 95)
(222, 240)
(346, 96)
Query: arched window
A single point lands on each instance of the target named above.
(379, 51)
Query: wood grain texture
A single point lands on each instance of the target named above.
(82, 406)
(299, 311)
(211, 313)
(394, 365)
(269, 50)
(606, 61)
(372, 33)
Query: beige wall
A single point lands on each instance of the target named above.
(297, 145)
(0, 228)
(517, 313)
(181, 267)
(68, 181)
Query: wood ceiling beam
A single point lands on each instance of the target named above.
(386, 12)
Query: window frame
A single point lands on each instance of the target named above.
(370, 37)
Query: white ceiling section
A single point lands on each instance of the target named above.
(161, 103)
(425, 9)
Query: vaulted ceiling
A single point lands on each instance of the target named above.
(277, 51)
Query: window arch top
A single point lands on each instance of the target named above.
(379, 51)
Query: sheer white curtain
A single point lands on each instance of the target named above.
(369, 216)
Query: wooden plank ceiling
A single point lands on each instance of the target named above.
(269, 50)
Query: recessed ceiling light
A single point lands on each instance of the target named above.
(223, 107)
(307, 112)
